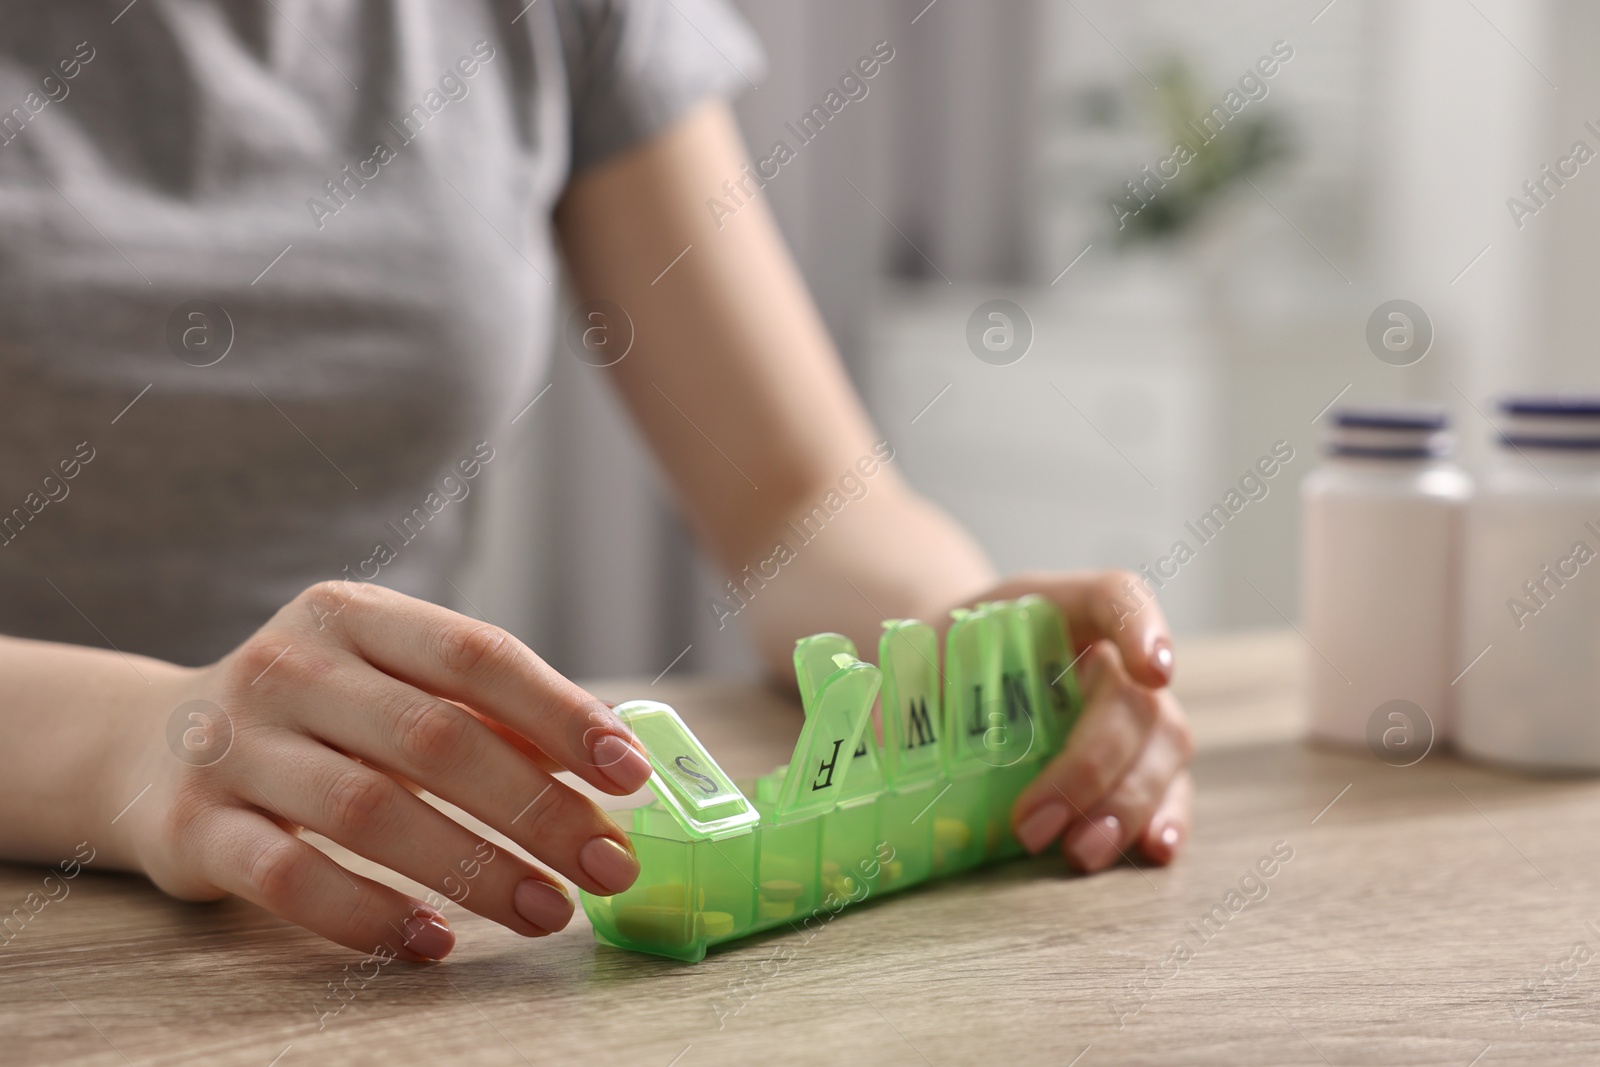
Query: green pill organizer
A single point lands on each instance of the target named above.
(848, 817)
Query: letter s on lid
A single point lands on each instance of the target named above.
(703, 798)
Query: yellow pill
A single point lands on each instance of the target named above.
(951, 833)
(775, 909)
(653, 923)
(781, 889)
(714, 923)
(893, 871)
(672, 895)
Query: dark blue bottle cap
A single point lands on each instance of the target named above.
(1556, 407)
(1398, 432)
(1564, 423)
(1376, 418)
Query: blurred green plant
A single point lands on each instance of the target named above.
(1250, 142)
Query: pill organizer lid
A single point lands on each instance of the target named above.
(1051, 646)
(1014, 729)
(836, 716)
(972, 693)
(815, 663)
(682, 773)
(816, 659)
(911, 702)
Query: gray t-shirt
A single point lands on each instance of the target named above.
(275, 276)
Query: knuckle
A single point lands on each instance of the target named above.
(181, 822)
(1092, 777)
(359, 800)
(468, 649)
(329, 591)
(557, 807)
(433, 735)
(281, 871)
(270, 660)
(1144, 704)
(325, 604)
(1177, 726)
(1116, 581)
(1133, 802)
(257, 654)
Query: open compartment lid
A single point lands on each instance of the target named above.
(682, 773)
(837, 690)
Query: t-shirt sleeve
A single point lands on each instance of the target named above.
(636, 66)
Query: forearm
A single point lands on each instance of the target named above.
(60, 722)
(887, 554)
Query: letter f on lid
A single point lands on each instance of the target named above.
(838, 705)
(814, 663)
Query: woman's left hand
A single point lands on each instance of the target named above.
(1121, 780)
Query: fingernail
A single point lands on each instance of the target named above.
(542, 904)
(1161, 658)
(1042, 826)
(609, 864)
(428, 936)
(1169, 837)
(621, 762)
(1094, 844)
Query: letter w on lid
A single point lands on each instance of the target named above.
(838, 706)
(706, 802)
(912, 723)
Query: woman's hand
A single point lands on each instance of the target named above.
(1121, 780)
(324, 719)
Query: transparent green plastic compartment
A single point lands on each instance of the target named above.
(921, 807)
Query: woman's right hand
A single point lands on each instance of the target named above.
(324, 720)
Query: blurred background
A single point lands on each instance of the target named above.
(1173, 342)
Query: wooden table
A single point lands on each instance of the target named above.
(1428, 914)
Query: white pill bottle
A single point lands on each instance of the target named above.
(1380, 550)
(1532, 607)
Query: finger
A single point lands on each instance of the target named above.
(1116, 606)
(1118, 821)
(1168, 829)
(517, 741)
(451, 753)
(371, 814)
(245, 854)
(1117, 718)
(475, 663)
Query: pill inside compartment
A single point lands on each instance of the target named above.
(852, 852)
(691, 893)
(789, 886)
(959, 819)
(905, 823)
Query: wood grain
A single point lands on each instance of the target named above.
(1430, 913)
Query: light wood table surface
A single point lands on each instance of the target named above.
(1429, 914)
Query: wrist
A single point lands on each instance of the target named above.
(131, 755)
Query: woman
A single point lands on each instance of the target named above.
(275, 272)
